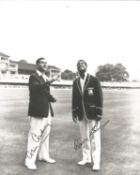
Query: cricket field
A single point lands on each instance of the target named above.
(120, 137)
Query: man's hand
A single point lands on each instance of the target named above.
(74, 116)
(98, 118)
(75, 119)
(52, 99)
(54, 78)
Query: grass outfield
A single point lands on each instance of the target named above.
(120, 138)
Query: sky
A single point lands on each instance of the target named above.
(99, 32)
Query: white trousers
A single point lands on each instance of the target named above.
(91, 147)
(38, 138)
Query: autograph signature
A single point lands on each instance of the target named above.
(78, 143)
(32, 152)
(37, 139)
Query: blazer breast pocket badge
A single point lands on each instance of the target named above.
(90, 91)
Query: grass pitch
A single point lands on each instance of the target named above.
(120, 138)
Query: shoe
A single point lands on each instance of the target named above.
(84, 162)
(30, 165)
(49, 160)
(95, 168)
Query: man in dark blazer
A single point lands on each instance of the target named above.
(87, 103)
(39, 112)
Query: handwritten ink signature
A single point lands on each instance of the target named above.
(37, 138)
(78, 143)
(32, 152)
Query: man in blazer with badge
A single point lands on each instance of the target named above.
(87, 104)
(39, 112)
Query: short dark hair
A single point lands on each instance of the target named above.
(39, 59)
(80, 61)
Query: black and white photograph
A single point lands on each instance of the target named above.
(69, 87)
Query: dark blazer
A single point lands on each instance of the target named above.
(39, 101)
(90, 101)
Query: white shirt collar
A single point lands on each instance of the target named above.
(42, 74)
(82, 81)
(38, 72)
